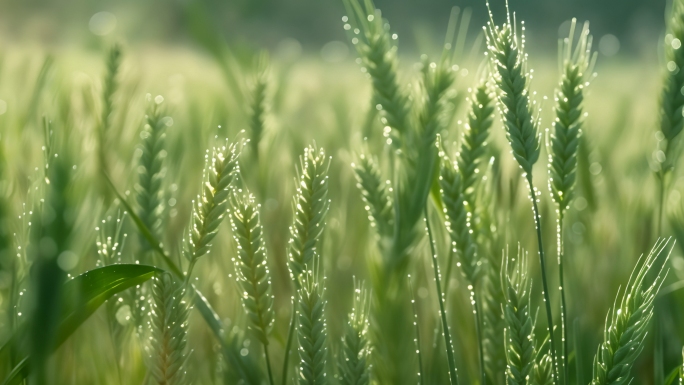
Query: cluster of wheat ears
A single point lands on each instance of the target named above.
(419, 181)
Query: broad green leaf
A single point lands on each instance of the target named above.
(82, 296)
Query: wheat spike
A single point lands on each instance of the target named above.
(354, 358)
(378, 52)
(169, 332)
(474, 141)
(671, 99)
(151, 170)
(375, 194)
(457, 220)
(311, 331)
(543, 371)
(577, 64)
(212, 204)
(251, 266)
(311, 206)
(258, 103)
(627, 323)
(505, 49)
(519, 332)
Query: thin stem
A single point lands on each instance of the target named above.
(268, 365)
(189, 273)
(545, 285)
(288, 344)
(417, 340)
(478, 331)
(564, 317)
(445, 326)
(661, 203)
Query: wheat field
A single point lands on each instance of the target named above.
(486, 212)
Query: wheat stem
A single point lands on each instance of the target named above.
(445, 326)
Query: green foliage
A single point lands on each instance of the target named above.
(354, 357)
(507, 55)
(311, 206)
(251, 265)
(169, 323)
(519, 332)
(576, 63)
(311, 331)
(628, 322)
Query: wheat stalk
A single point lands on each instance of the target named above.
(169, 322)
(577, 62)
(627, 323)
(354, 358)
(310, 206)
(252, 270)
(507, 56)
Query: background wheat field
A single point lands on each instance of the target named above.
(203, 192)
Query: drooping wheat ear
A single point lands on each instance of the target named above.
(519, 332)
(628, 322)
(375, 194)
(151, 170)
(169, 322)
(354, 359)
(212, 204)
(371, 37)
(252, 269)
(472, 151)
(258, 104)
(512, 77)
(311, 206)
(671, 99)
(576, 61)
(312, 331)
(458, 221)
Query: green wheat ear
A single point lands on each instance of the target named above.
(354, 358)
(212, 204)
(672, 99)
(519, 332)
(512, 77)
(258, 104)
(457, 220)
(543, 371)
(375, 194)
(312, 333)
(378, 53)
(474, 141)
(169, 331)
(628, 322)
(251, 265)
(151, 170)
(577, 63)
(311, 206)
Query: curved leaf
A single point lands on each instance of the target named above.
(82, 296)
